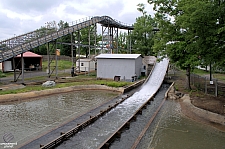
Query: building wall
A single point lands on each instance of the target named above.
(138, 66)
(1, 67)
(87, 65)
(109, 68)
(6, 66)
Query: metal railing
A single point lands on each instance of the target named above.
(22, 43)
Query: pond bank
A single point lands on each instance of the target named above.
(197, 114)
(34, 94)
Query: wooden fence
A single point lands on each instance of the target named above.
(213, 87)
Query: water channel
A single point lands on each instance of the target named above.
(28, 119)
(172, 130)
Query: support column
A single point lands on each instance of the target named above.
(79, 47)
(130, 43)
(117, 41)
(89, 42)
(112, 40)
(22, 61)
(95, 37)
(71, 40)
(48, 53)
(14, 69)
(102, 39)
(127, 41)
(56, 60)
(108, 36)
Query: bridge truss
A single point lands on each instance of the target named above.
(17, 45)
(12, 47)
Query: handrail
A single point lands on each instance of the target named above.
(25, 42)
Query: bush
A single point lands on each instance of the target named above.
(2, 75)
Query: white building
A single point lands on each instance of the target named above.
(86, 65)
(148, 63)
(124, 66)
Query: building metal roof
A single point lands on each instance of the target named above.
(29, 54)
(118, 56)
(85, 60)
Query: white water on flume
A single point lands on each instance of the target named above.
(95, 134)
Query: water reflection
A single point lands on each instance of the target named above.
(172, 130)
(24, 119)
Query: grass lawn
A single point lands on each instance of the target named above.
(62, 64)
(216, 75)
(83, 79)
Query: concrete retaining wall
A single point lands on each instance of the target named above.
(207, 115)
(34, 94)
(133, 86)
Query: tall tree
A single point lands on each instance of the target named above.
(122, 42)
(142, 35)
(188, 32)
(65, 49)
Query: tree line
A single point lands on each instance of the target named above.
(191, 33)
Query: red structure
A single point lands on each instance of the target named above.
(32, 61)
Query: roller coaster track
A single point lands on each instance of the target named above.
(17, 45)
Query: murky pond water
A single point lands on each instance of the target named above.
(30, 118)
(172, 130)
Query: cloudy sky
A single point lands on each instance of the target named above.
(22, 16)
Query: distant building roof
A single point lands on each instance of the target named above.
(118, 56)
(29, 54)
(85, 60)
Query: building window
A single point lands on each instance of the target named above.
(82, 64)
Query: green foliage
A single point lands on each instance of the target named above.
(65, 49)
(142, 35)
(2, 75)
(122, 42)
(113, 83)
(62, 64)
(79, 80)
(191, 32)
(200, 72)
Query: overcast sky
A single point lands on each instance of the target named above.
(22, 16)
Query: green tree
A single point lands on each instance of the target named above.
(188, 33)
(122, 42)
(43, 31)
(142, 35)
(84, 39)
(64, 48)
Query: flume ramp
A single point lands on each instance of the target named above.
(97, 134)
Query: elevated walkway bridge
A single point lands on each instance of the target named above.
(17, 45)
